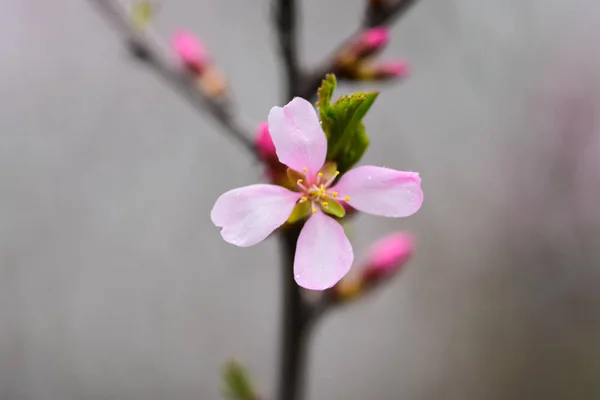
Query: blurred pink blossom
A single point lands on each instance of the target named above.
(190, 50)
(388, 255)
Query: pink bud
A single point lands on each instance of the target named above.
(389, 255)
(392, 69)
(190, 50)
(264, 143)
(368, 43)
(376, 37)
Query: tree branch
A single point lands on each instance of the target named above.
(151, 49)
(295, 324)
(285, 12)
(378, 16)
(312, 81)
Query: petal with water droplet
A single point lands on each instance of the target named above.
(323, 253)
(382, 191)
(249, 214)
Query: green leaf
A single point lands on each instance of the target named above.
(348, 140)
(342, 123)
(354, 152)
(325, 94)
(237, 385)
(334, 208)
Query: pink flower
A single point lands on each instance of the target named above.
(190, 50)
(388, 256)
(324, 254)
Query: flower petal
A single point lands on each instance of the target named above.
(298, 137)
(382, 191)
(249, 214)
(323, 253)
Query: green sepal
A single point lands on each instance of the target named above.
(329, 171)
(294, 176)
(334, 208)
(236, 383)
(300, 211)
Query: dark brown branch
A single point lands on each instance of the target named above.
(392, 13)
(150, 48)
(285, 15)
(386, 14)
(295, 328)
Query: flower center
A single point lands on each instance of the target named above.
(318, 193)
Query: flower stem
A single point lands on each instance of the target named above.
(294, 327)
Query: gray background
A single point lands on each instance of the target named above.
(114, 284)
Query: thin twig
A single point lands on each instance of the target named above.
(285, 15)
(312, 81)
(157, 55)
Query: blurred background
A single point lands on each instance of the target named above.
(115, 285)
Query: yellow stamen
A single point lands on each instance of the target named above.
(300, 180)
(347, 198)
(303, 198)
(314, 210)
(335, 194)
(304, 169)
(337, 172)
(325, 195)
(325, 204)
(320, 174)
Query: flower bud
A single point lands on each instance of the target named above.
(382, 71)
(367, 44)
(373, 40)
(388, 256)
(190, 50)
(275, 171)
(392, 70)
(264, 143)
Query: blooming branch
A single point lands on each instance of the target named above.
(385, 15)
(153, 50)
(309, 157)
